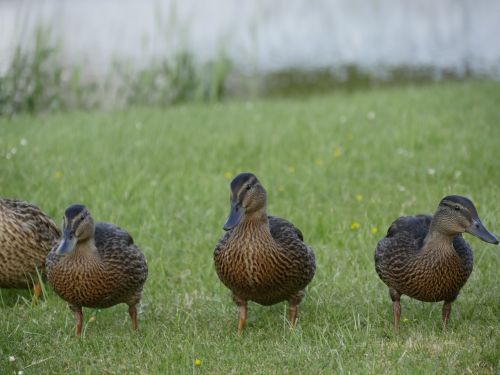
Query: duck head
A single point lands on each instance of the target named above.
(457, 214)
(78, 226)
(248, 197)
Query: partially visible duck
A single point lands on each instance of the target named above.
(26, 237)
(425, 257)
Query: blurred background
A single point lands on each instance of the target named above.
(57, 54)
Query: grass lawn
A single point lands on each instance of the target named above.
(341, 167)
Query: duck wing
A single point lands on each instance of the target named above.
(106, 232)
(282, 230)
(404, 239)
(409, 231)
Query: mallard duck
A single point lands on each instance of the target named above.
(425, 257)
(26, 237)
(95, 265)
(261, 258)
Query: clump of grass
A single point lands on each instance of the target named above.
(175, 81)
(37, 81)
(32, 81)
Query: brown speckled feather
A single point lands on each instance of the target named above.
(431, 275)
(26, 237)
(266, 265)
(114, 273)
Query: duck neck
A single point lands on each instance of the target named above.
(438, 238)
(86, 249)
(254, 222)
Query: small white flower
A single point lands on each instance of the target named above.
(8, 155)
(431, 171)
(401, 188)
(371, 115)
(13, 150)
(12, 358)
(23, 142)
(457, 174)
(404, 153)
(20, 372)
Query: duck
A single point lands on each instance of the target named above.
(426, 257)
(96, 265)
(27, 235)
(261, 258)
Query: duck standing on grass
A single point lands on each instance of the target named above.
(96, 265)
(26, 237)
(426, 257)
(261, 258)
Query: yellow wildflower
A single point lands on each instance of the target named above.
(228, 175)
(57, 174)
(197, 362)
(337, 152)
(374, 229)
(359, 197)
(318, 162)
(355, 225)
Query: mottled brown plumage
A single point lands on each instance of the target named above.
(96, 265)
(26, 237)
(425, 257)
(261, 258)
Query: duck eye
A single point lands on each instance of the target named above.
(248, 187)
(457, 208)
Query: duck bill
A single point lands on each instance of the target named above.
(67, 243)
(235, 216)
(477, 229)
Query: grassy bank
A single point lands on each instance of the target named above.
(340, 167)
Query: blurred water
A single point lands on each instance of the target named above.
(267, 36)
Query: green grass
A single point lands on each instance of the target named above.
(163, 175)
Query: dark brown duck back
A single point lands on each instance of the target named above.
(26, 237)
(113, 272)
(266, 262)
